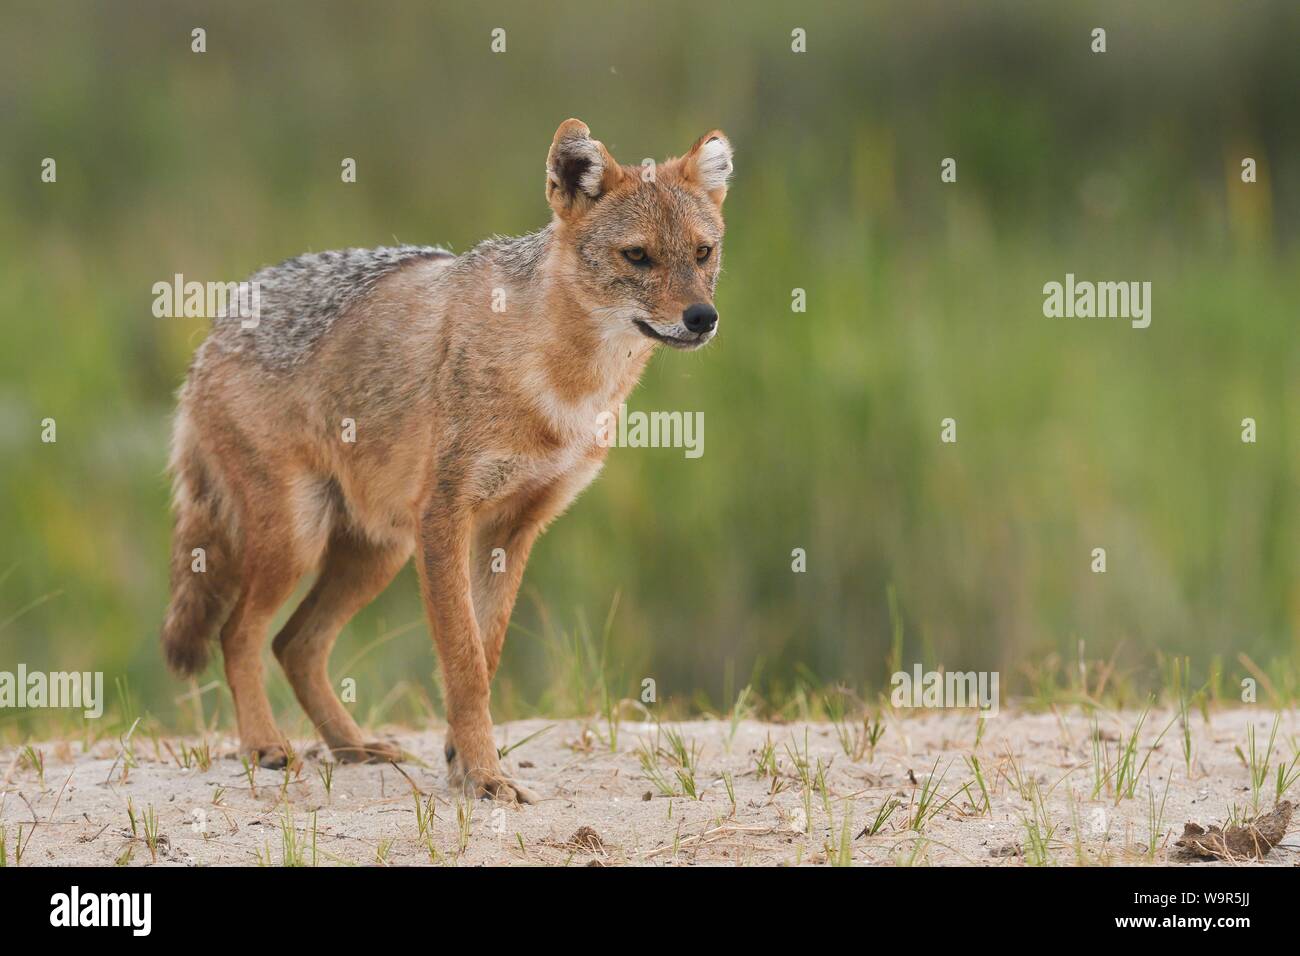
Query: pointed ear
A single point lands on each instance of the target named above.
(708, 165)
(579, 170)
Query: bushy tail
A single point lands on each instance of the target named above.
(204, 576)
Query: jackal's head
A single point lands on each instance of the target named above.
(643, 243)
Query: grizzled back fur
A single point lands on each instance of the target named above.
(302, 297)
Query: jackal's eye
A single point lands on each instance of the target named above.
(636, 255)
(702, 253)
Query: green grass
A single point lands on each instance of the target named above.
(926, 800)
(1040, 830)
(1259, 762)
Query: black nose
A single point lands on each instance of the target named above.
(700, 317)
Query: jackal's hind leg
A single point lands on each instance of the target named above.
(269, 579)
(353, 573)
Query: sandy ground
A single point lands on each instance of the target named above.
(599, 805)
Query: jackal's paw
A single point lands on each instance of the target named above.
(485, 783)
(374, 751)
(486, 786)
(270, 756)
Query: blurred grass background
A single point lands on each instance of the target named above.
(822, 428)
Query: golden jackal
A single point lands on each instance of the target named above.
(399, 401)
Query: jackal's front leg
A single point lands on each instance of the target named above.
(500, 554)
(445, 537)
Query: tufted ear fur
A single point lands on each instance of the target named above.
(708, 165)
(579, 170)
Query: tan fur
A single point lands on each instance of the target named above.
(474, 429)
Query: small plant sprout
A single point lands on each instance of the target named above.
(20, 845)
(1258, 762)
(799, 757)
(1039, 830)
(126, 755)
(150, 821)
(1155, 815)
(765, 760)
(977, 772)
(927, 805)
(191, 758)
(842, 853)
(819, 783)
(857, 736)
(292, 851)
(1009, 770)
(464, 825)
(425, 814)
(649, 758)
(875, 731)
(34, 759)
(1128, 769)
(883, 813)
(326, 773)
(202, 756)
(686, 780)
(683, 758)
(679, 752)
(250, 772)
(1287, 775)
